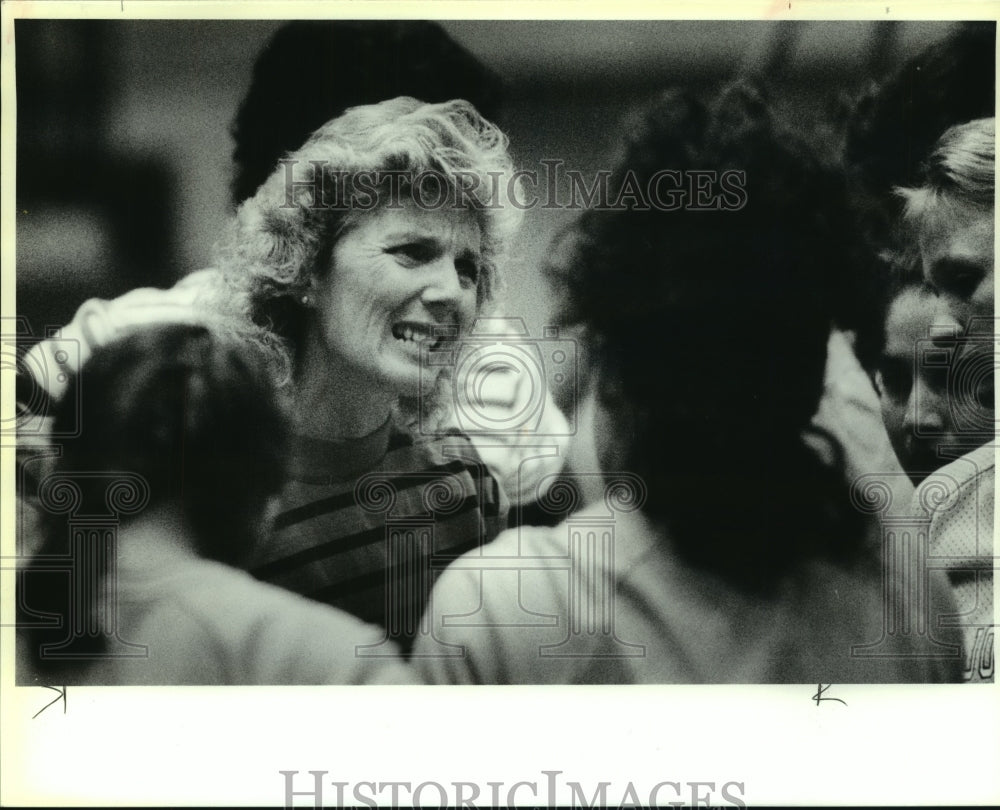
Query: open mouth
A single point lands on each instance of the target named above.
(413, 333)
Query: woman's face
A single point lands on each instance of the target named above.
(394, 277)
(956, 249)
(913, 395)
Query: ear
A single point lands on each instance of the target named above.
(876, 378)
(308, 296)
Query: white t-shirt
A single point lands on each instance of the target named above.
(959, 498)
(602, 599)
(205, 623)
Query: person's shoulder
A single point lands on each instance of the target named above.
(283, 637)
(532, 541)
(147, 304)
(636, 537)
(521, 547)
(978, 463)
(843, 609)
(475, 612)
(313, 643)
(232, 590)
(98, 321)
(970, 477)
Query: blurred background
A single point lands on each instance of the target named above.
(124, 149)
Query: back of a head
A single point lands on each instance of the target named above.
(892, 132)
(958, 173)
(895, 127)
(312, 72)
(948, 83)
(195, 415)
(709, 328)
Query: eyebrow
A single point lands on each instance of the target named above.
(410, 235)
(424, 238)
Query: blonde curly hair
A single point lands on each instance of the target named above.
(284, 235)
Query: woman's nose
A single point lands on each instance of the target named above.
(926, 411)
(947, 312)
(444, 287)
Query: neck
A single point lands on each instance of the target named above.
(156, 533)
(331, 402)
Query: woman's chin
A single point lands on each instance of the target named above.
(409, 379)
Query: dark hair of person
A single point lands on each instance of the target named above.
(709, 332)
(312, 71)
(889, 139)
(896, 124)
(196, 417)
(958, 170)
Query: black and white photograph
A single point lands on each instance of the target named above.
(375, 362)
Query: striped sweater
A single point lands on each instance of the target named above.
(367, 525)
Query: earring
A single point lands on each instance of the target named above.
(305, 300)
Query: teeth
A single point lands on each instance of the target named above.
(412, 332)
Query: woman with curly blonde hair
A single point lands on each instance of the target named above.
(357, 264)
(436, 162)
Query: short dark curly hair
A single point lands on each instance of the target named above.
(192, 413)
(195, 412)
(709, 332)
